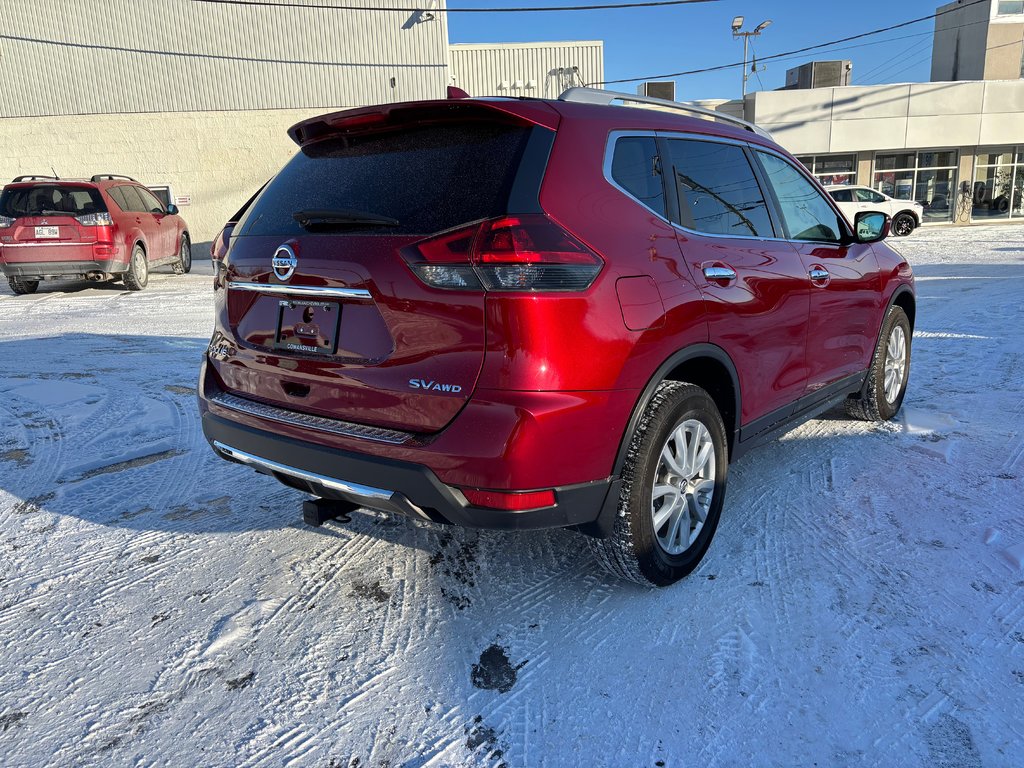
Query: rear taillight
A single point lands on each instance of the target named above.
(95, 220)
(512, 253)
(6, 221)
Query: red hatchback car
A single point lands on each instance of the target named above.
(104, 228)
(518, 313)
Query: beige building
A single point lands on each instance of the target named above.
(199, 95)
(979, 41)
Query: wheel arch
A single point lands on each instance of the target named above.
(903, 297)
(709, 367)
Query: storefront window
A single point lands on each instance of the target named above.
(999, 184)
(832, 169)
(928, 177)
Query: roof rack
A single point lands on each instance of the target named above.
(33, 177)
(599, 96)
(110, 177)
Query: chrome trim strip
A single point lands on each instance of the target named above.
(354, 489)
(307, 291)
(319, 423)
(609, 155)
(40, 245)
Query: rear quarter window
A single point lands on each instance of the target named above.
(429, 178)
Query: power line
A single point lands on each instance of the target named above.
(536, 9)
(797, 51)
(879, 69)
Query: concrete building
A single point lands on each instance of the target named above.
(957, 148)
(540, 70)
(199, 95)
(979, 41)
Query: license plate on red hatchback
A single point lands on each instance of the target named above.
(47, 233)
(308, 326)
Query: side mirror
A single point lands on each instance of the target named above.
(871, 226)
(172, 209)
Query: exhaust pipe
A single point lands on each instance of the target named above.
(97, 277)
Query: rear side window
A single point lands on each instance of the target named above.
(50, 200)
(117, 195)
(805, 212)
(842, 195)
(636, 168)
(718, 192)
(428, 178)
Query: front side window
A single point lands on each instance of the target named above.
(805, 212)
(718, 192)
(149, 200)
(868, 196)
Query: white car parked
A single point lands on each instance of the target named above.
(906, 214)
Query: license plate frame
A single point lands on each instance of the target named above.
(47, 233)
(308, 326)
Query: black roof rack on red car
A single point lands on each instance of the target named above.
(111, 176)
(33, 177)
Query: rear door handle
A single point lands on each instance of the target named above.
(719, 273)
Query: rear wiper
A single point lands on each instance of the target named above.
(341, 218)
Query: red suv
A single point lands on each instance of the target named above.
(518, 313)
(104, 228)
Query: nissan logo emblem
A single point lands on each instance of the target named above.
(284, 262)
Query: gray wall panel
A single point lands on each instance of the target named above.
(65, 57)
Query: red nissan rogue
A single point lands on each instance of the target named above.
(99, 229)
(520, 313)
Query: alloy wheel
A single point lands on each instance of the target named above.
(895, 363)
(684, 485)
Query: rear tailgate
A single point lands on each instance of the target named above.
(43, 222)
(351, 332)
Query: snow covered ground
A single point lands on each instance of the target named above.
(862, 603)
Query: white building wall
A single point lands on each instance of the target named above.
(887, 117)
(542, 70)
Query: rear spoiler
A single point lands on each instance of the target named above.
(368, 119)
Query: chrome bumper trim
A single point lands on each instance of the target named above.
(319, 423)
(350, 489)
(303, 291)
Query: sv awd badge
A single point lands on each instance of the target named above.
(434, 385)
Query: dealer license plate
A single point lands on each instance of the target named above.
(308, 326)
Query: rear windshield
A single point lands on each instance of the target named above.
(428, 178)
(50, 200)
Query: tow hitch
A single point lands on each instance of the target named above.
(316, 512)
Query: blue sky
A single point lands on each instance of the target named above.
(649, 41)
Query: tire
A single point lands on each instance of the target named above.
(137, 276)
(21, 286)
(879, 402)
(184, 263)
(639, 549)
(903, 224)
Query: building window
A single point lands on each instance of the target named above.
(928, 177)
(999, 184)
(1010, 7)
(832, 169)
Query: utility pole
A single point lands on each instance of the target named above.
(737, 25)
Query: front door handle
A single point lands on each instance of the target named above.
(719, 273)
(819, 275)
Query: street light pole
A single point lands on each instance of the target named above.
(737, 25)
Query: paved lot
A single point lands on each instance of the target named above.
(862, 603)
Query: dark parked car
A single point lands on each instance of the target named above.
(99, 229)
(518, 313)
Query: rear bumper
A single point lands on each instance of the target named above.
(57, 269)
(391, 485)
